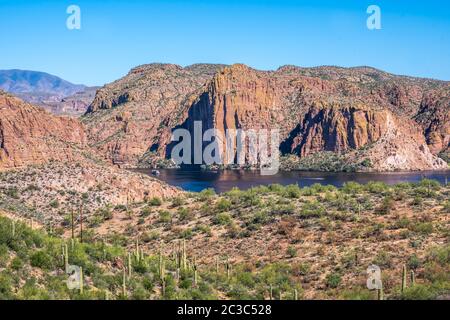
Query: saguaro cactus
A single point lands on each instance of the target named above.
(136, 253)
(81, 222)
(129, 265)
(271, 292)
(217, 265)
(163, 287)
(184, 255)
(72, 222)
(124, 283)
(413, 278)
(403, 278)
(380, 293)
(13, 228)
(66, 257)
(295, 294)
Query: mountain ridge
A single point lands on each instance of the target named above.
(257, 99)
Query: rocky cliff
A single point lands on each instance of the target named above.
(52, 153)
(315, 109)
(30, 135)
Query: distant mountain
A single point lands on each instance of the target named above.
(50, 92)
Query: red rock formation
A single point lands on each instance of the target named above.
(315, 109)
(30, 135)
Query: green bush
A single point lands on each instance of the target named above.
(41, 259)
(223, 205)
(155, 202)
(222, 219)
(333, 280)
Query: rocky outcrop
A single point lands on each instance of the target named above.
(30, 135)
(129, 117)
(336, 128)
(316, 109)
(434, 116)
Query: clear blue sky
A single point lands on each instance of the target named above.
(118, 35)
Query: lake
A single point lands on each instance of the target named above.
(221, 181)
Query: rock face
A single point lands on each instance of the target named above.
(434, 116)
(129, 117)
(30, 135)
(315, 109)
(336, 128)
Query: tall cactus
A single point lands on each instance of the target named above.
(195, 273)
(136, 253)
(13, 228)
(404, 278)
(163, 287)
(271, 292)
(413, 278)
(380, 293)
(81, 222)
(129, 265)
(66, 257)
(184, 255)
(295, 294)
(72, 222)
(124, 283)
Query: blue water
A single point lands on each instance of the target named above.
(221, 181)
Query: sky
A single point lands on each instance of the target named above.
(116, 36)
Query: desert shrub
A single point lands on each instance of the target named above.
(276, 188)
(41, 259)
(223, 205)
(417, 201)
(222, 219)
(177, 201)
(357, 294)
(311, 209)
(282, 209)
(165, 216)
(333, 280)
(376, 187)
(6, 285)
(383, 259)
(149, 236)
(155, 202)
(12, 192)
(184, 214)
(291, 252)
(413, 262)
(145, 212)
(422, 227)
(54, 204)
(418, 292)
(260, 217)
(292, 191)
(446, 206)
(386, 206)
(206, 194)
(352, 188)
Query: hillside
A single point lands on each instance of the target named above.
(309, 243)
(347, 111)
